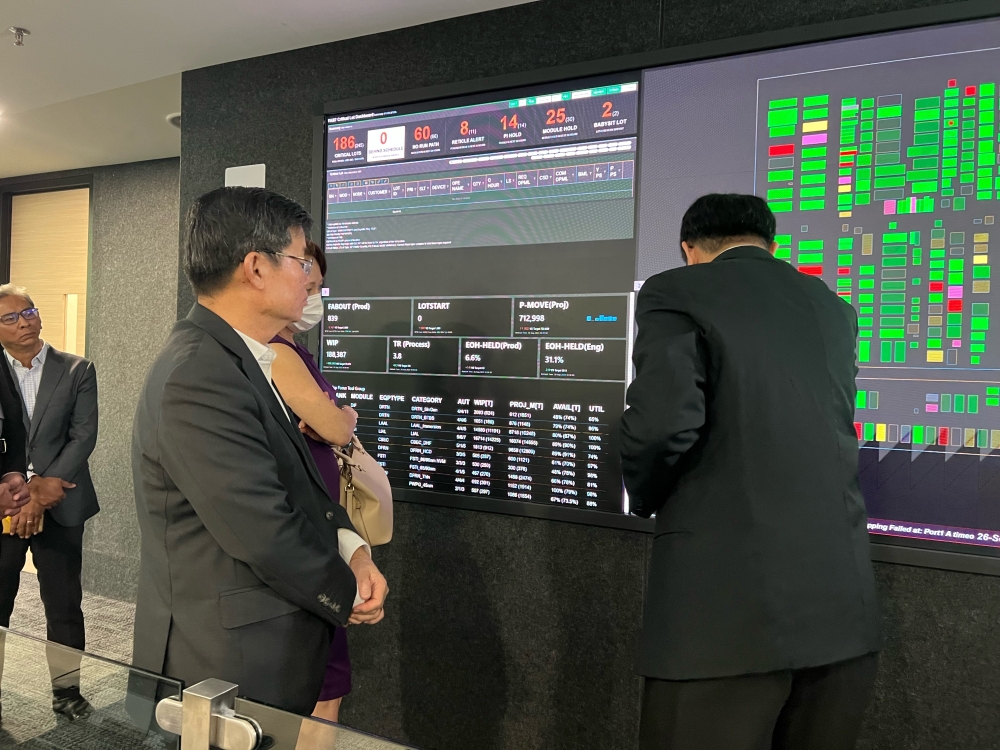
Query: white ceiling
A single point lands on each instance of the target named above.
(95, 79)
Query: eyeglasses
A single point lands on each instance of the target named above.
(306, 263)
(9, 319)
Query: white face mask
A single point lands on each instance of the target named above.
(312, 314)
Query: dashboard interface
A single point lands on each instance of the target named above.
(508, 234)
(500, 385)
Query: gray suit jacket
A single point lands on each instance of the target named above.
(240, 575)
(62, 432)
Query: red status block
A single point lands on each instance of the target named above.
(781, 149)
(811, 270)
(954, 305)
(952, 82)
(843, 271)
(942, 436)
(858, 429)
(936, 286)
(970, 90)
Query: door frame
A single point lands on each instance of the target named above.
(38, 184)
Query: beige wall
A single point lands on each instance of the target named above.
(49, 244)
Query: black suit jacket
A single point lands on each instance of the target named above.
(739, 436)
(240, 575)
(62, 432)
(15, 436)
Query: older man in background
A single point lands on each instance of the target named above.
(59, 398)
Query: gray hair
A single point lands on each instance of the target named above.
(13, 290)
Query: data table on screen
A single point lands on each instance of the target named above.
(511, 397)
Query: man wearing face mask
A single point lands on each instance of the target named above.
(311, 398)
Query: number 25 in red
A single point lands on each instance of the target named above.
(555, 116)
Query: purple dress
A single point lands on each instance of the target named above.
(337, 682)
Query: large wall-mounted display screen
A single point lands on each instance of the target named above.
(492, 363)
(488, 352)
(878, 156)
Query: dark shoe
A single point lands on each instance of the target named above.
(69, 703)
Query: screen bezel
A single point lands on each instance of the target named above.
(943, 555)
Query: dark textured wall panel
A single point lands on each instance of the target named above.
(133, 290)
(504, 632)
(514, 633)
(692, 21)
(940, 672)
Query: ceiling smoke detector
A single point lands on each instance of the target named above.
(175, 120)
(19, 35)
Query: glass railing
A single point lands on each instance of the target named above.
(285, 731)
(115, 707)
(103, 705)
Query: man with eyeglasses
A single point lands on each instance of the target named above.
(59, 398)
(246, 561)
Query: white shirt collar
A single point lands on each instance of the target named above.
(263, 353)
(37, 361)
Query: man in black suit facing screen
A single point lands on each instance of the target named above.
(761, 624)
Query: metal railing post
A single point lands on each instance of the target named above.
(205, 718)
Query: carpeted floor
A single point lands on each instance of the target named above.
(108, 622)
(28, 720)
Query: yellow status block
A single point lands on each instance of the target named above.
(970, 438)
(981, 237)
(980, 287)
(980, 248)
(980, 260)
(845, 214)
(935, 356)
(994, 439)
(814, 127)
(935, 320)
(880, 432)
(843, 188)
(866, 244)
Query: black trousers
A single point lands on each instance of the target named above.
(57, 552)
(808, 709)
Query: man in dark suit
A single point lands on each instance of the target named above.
(246, 562)
(761, 622)
(59, 394)
(14, 493)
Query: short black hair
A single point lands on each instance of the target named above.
(225, 225)
(718, 216)
(315, 252)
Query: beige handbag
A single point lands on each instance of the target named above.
(365, 493)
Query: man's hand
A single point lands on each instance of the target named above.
(48, 491)
(371, 587)
(25, 524)
(8, 505)
(18, 487)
